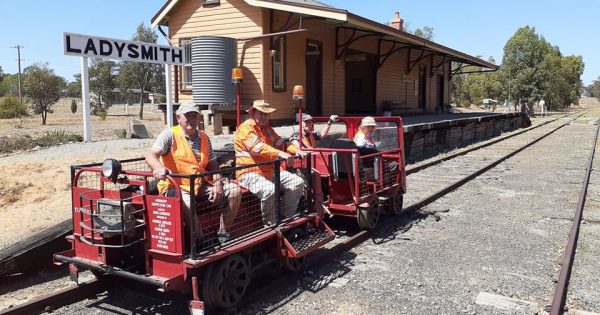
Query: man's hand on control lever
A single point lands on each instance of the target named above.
(286, 157)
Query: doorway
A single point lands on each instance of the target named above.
(314, 77)
(422, 86)
(361, 82)
(440, 91)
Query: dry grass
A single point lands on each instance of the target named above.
(62, 119)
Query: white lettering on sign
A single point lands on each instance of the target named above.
(161, 222)
(100, 47)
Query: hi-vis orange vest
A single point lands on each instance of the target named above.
(181, 160)
(361, 134)
(257, 145)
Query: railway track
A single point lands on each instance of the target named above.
(562, 285)
(427, 184)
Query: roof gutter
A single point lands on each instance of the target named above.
(306, 9)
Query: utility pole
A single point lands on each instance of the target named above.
(18, 47)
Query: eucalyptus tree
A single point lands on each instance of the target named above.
(137, 74)
(103, 80)
(43, 88)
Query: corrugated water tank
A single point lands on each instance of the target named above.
(213, 57)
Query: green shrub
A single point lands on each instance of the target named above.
(73, 106)
(51, 138)
(100, 112)
(56, 137)
(121, 134)
(11, 107)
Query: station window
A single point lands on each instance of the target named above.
(185, 77)
(278, 57)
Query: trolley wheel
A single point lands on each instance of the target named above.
(367, 218)
(396, 204)
(226, 282)
(294, 264)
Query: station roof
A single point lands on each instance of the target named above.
(349, 20)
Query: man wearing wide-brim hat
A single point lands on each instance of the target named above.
(255, 142)
(185, 149)
(364, 136)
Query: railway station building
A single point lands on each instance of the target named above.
(348, 64)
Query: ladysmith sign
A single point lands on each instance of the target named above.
(85, 47)
(100, 47)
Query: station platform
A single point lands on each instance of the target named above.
(428, 135)
(425, 135)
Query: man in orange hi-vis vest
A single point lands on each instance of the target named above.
(184, 149)
(256, 142)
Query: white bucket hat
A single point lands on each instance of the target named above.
(368, 121)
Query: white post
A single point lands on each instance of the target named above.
(169, 92)
(85, 96)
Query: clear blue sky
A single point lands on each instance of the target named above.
(471, 26)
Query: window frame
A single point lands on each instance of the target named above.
(186, 68)
(279, 57)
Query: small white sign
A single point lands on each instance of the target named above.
(101, 47)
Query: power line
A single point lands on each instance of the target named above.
(18, 47)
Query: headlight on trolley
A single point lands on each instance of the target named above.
(111, 168)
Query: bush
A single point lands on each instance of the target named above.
(121, 134)
(100, 112)
(51, 138)
(11, 107)
(57, 137)
(73, 106)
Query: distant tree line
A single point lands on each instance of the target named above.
(532, 69)
(593, 89)
(42, 88)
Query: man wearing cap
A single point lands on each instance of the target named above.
(364, 136)
(256, 142)
(310, 136)
(184, 149)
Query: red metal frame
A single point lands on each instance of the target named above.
(342, 188)
(162, 246)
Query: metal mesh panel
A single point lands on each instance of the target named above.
(265, 196)
(369, 174)
(92, 179)
(110, 222)
(391, 170)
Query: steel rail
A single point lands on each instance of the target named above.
(562, 286)
(59, 298)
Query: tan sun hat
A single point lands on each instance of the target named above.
(263, 106)
(187, 108)
(368, 121)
